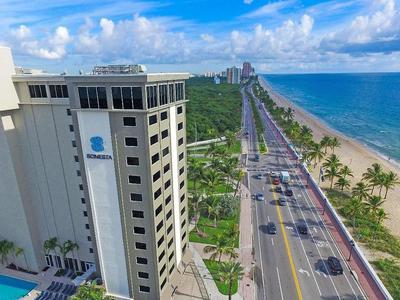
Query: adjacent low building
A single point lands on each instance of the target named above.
(98, 160)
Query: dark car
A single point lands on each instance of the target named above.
(302, 228)
(278, 189)
(289, 192)
(271, 228)
(335, 265)
(256, 157)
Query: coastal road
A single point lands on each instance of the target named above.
(289, 265)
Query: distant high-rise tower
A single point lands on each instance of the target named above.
(247, 70)
(233, 75)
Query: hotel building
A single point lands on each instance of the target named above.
(233, 75)
(98, 160)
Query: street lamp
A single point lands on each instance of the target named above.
(352, 244)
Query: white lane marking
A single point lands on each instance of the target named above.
(302, 271)
(272, 241)
(268, 218)
(279, 281)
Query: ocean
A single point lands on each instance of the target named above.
(365, 106)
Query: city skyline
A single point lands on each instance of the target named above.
(291, 36)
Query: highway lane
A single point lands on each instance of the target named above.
(296, 269)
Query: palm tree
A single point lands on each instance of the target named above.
(6, 248)
(288, 114)
(230, 138)
(237, 176)
(381, 215)
(219, 247)
(211, 178)
(90, 291)
(346, 171)
(332, 161)
(332, 172)
(212, 208)
(354, 208)
(391, 180)
(195, 173)
(372, 175)
(325, 142)
(360, 191)
(316, 153)
(67, 247)
(380, 181)
(195, 200)
(212, 148)
(342, 183)
(229, 272)
(334, 143)
(373, 204)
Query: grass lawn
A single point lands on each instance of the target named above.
(389, 272)
(213, 267)
(206, 226)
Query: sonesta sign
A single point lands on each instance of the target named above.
(97, 145)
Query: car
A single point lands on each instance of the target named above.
(335, 265)
(278, 189)
(274, 174)
(302, 228)
(260, 197)
(282, 201)
(256, 157)
(259, 176)
(271, 228)
(289, 192)
(275, 181)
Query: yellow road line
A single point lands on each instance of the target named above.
(289, 253)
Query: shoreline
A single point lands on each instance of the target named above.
(352, 153)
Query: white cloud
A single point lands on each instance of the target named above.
(269, 9)
(22, 32)
(207, 37)
(247, 1)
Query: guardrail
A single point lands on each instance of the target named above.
(350, 244)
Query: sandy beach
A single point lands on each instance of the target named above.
(352, 153)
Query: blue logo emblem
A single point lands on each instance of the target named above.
(97, 143)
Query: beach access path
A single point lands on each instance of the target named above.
(352, 153)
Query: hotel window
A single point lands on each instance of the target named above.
(171, 93)
(129, 121)
(180, 126)
(183, 223)
(158, 210)
(136, 197)
(143, 275)
(184, 235)
(170, 243)
(183, 210)
(179, 91)
(163, 94)
(132, 161)
(152, 119)
(163, 283)
(137, 214)
(156, 176)
(171, 270)
(153, 139)
(167, 184)
(181, 156)
(90, 250)
(68, 112)
(169, 214)
(180, 141)
(87, 226)
(181, 170)
(134, 179)
(138, 230)
(168, 231)
(73, 144)
(157, 194)
(161, 256)
(182, 198)
(167, 200)
(141, 260)
(171, 256)
(127, 97)
(182, 184)
(155, 158)
(37, 91)
(162, 270)
(83, 200)
(184, 248)
(166, 168)
(160, 225)
(164, 133)
(81, 187)
(76, 158)
(85, 213)
(164, 115)
(71, 128)
(131, 141)
(151, 96)
(179, 110)
(165, 151)
(144, 289)
(140, 246)
(58, 91)
(92, 97)
(89, 238)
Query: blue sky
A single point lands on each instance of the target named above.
(286, 36)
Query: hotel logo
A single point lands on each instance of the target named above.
(97, 145)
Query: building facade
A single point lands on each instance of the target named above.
(98, 160)
(247, 70)
(233, 75)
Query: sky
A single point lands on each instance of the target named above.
(285, 36)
